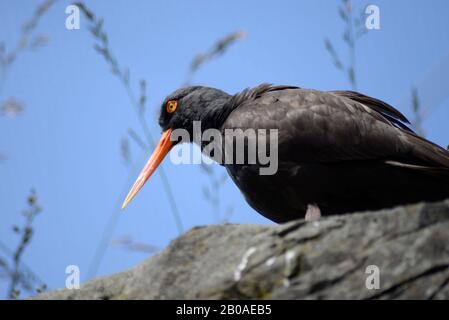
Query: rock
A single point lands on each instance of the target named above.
(325, 259)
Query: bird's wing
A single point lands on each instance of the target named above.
(317, 126)
(390, 113)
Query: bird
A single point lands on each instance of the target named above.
(338, 152)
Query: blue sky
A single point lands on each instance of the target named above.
(66, 144)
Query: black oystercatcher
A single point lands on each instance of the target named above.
(338, 151)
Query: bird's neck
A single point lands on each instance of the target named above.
(216, 110)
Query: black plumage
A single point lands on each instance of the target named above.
(340, 151)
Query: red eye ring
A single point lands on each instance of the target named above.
(171, 106)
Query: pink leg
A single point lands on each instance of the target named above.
(313, 212)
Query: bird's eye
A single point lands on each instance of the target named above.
(171, 106)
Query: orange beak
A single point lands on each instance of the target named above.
(158, 155)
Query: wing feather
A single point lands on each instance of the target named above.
(316, 126)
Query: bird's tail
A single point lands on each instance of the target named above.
(428, 153)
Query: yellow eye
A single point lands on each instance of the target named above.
(171, 106)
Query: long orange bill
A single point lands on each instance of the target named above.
(158, 155)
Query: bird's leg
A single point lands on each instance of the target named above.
(313, 212)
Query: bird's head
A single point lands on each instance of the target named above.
(178, 111)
